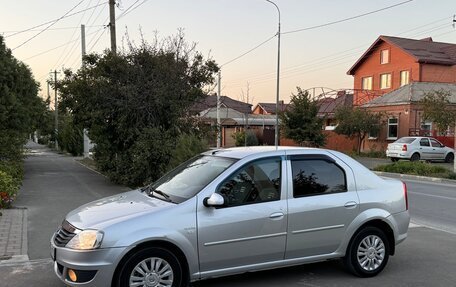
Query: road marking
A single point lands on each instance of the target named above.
(436, 228)
(432, 195)
(414, 225)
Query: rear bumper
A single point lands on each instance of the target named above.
(398, 154)
(401, 222)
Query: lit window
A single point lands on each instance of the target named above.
(385, 81)
(367, 83)
(404, 78)
(384, 57)
(392, 128)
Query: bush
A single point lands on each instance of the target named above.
(415, 168)
(188, 145)
(13, 169)
(8, 190)
(240, 140)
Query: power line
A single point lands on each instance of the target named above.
(55, 20)
(50, 29)
(127, 11)
(50, 25)
(346, 19)
(249, 51)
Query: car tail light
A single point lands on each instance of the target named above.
(405, 196)
(404, 147)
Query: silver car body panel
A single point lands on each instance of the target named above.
(223, 241)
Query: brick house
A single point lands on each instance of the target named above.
(393, 75)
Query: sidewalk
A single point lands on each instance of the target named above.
(13, 231)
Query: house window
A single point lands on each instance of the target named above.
(385, 81)
(404, 78)
(384, 57)
(367, 83)
(392, 128)
(426, 128)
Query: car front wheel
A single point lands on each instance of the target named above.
(152, 267)
(367, 253)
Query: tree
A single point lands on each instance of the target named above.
(136, 103)
(357, 123)
(20, 105)
(437, 108)
(301, 122)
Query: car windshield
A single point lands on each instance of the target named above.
(405, 140)
(190, 177)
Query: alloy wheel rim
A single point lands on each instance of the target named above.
(152, 272)
(371, 253)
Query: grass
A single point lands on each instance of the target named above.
(417, 168)
(369, 154)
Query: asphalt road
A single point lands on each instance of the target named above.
(426, 258)
(433, 204)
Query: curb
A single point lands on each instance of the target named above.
(416, 177)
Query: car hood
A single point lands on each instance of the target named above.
(113, 208)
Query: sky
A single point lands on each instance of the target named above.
(226, 29)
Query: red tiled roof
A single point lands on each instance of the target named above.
(424, 51)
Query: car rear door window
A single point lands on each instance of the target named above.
(317, 176)
(424, 142)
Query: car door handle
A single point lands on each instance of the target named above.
(350, 204)
(276, 215)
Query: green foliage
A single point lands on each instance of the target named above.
(13, 169)
(188, 145)
(416, 168)
(436, 108)
(301, 122)
(357, 123)
(136, 104)
(8, 190)
(369, 154)
(241, 140)
(70, 135)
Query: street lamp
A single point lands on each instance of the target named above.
(276, 139)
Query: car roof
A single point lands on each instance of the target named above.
(242, 152)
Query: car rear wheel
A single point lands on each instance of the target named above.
(152, 267)
(415, 157)
(449, 157)
(368, 252)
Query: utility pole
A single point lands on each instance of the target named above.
(48, 100)
(219, 128)
(56, 107)
(112, 24)
(85, 136)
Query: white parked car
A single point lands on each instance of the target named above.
(417, 148)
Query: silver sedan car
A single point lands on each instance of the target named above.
(419, 148)
(233, 211)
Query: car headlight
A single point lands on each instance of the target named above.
(86, 240)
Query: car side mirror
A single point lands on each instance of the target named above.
(215, 200)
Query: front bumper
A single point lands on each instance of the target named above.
(93, 267)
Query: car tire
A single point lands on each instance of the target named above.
(415, 157)
(394, 159)
(367, 253)
(449, 157)
(154, 265)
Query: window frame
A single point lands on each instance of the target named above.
(388, 75)
(281, 172)
(401, 83)
(371, 83)
(321, 157)
(388, 137)
(384, 61)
